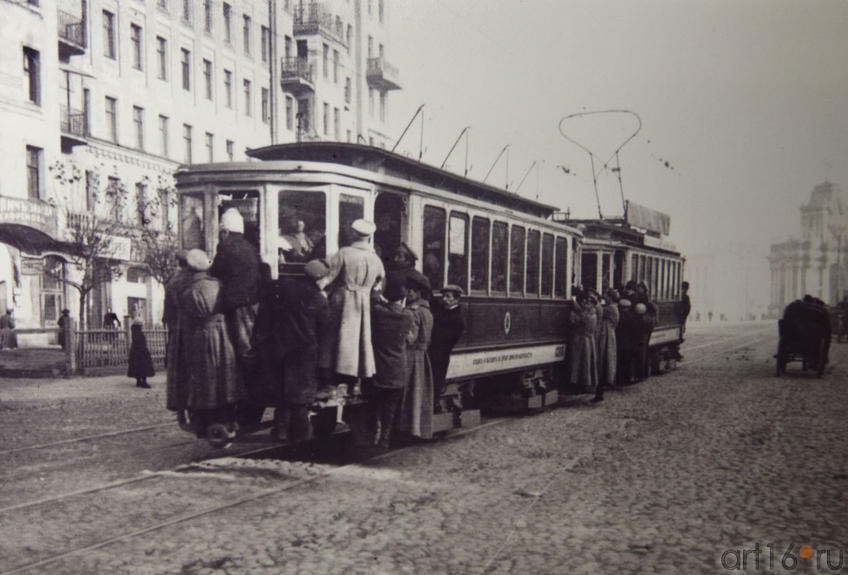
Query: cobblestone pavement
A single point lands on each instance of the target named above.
(689, 472)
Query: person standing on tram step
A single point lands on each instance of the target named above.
(684, 306)
(583, 368)
(356, 270)
(607, 347)
(625, 341)
(390, 326)
(176, 393)
(140, 364)
(236, 265)
(417, 405)
(644, 327)
(213, 385)
(448, 327)
(300, 323)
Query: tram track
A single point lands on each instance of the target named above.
(86, 438)
(201, 469)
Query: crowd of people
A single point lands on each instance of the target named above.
(609, 336)
(238, 341)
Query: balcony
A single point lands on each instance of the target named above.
(382, 75)
(29, 225)
(296, 76)
(314, 18)
(74, 127)
(72, 39)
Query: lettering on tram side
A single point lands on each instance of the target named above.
(502, 358)
(477, 362)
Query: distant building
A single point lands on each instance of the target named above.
(106, 95)
(815, 263)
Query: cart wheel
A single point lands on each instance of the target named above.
(324, 423)
(218, 435)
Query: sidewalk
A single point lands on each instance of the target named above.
(32, 362)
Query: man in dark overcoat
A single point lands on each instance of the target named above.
(448, 327)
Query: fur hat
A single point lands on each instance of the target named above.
(198, 261)
(418, 281)
(232, 221)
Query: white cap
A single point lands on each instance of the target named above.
(232, 221)
(363, 227)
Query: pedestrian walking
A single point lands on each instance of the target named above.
(110, 320)
(417, 407)
(211, 373)
(390, 327)
(354, 272)
(448, 327)
(140, 362)
(607, 358)
(8, 339)
(300, 326)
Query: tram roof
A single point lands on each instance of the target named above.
(379, 160)
(618, 230)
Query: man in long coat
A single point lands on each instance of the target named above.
(607, 357)
(213, 385)
(448, 327)
(177, 393)
(357, 270)
(417, 406)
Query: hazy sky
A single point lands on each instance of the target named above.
(745, 100)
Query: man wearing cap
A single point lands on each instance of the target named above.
(448, 327)
(210, 374)
(417, 407)
(236, 264)
(300, 324)
(356, 269)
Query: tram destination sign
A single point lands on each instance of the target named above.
(641, 217)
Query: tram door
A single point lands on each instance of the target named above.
(618, 269)
(390, 217)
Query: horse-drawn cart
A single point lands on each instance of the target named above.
(804, 332)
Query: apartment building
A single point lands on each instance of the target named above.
(102, 98)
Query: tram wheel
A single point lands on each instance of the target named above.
(218, 435)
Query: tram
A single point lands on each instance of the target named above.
(635, 248)
(515, 264)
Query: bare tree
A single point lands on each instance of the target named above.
(159, 240)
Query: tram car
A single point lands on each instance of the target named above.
(615, 251)
(513, 262)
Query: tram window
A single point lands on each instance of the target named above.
(560, 277)
(531, 285)
(547, 264)
(479, 254)
(634, 267)
(665, 271)
(589, 263)
(642, 269)
(247, 204)
(302, 225)
(606, 264)
(655, 279)
(351, 208)
(434, 245)
(516, 260)
(191, 227)
(618, 260)
(500, 233)
(458, 250)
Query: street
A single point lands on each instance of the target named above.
(717, 466)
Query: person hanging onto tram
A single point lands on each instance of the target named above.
(583, 366)
(213, 385)
(448, 327)
(176, 394)
(607, 358)
(236, 265)
(355, 270)
(625, 341)
(417, 407)
(299, 324)
(389, 329)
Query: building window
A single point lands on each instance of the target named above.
(112, 119)
(287, 47)
(187, 143)
(163, 135)
(380, 10)
(210, 147)
(163, 4)
(266, 116)
(228, 88)
(349, 136)
(266, 43)
(207, 78)
(335, 66)
(228, 23)
(162, 53)
(113, 198)
(164, 207)
(207, 15)
(141, 216)
(137, 275)
(347, 90)
(289, 113)
(186, 67)
(382, 106)
(138, 121)
(337, 120)
(187, 11)
(246, 30)
(371, 102)
(230, 146)
(247, 108)
(370, 47)
(326, 62)
(108, 34)
(137, 46)
(33, 160)
(348, 37)
(32, 61)
(326, 119)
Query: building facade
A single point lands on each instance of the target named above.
(815, 263)
(102, 100)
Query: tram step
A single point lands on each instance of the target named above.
(469, 418)
(442, 422)
(514, 404)
(551, 397)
